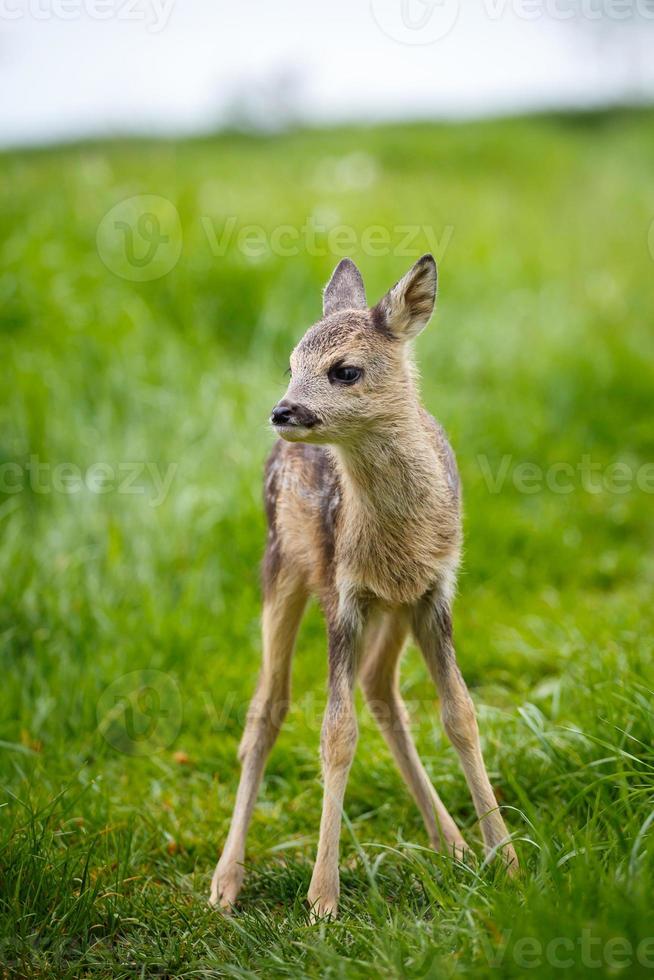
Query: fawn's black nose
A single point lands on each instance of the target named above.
(289, 413)
(281, 414)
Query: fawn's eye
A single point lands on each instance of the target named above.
(344, 375)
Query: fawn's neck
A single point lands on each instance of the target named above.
(389, 473)
(397, 528)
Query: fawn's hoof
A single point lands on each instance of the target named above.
(323, 897)
(226, 884)
(504, 854)
(322, 908)
(511, 860)
(461, 852)
(453, 845)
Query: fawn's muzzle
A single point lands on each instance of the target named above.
(289, 413)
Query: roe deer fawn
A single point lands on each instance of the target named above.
(362, 499)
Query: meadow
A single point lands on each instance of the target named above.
(133, 432)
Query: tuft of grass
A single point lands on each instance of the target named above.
(129, 617)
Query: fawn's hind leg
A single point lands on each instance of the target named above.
(433, 630)
(379, 679)
(282, 611)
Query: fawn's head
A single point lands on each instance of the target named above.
(350, 373)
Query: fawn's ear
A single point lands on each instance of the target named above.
(406, 308)
(345, 289)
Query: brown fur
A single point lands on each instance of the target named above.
(330, 508)
(363, 506)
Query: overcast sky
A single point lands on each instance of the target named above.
(79, 67)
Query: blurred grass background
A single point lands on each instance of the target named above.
(541, 351)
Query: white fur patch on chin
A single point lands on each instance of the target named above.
(293, 433)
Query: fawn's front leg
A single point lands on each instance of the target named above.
(282, 612)
(432, 627)
(338, 742)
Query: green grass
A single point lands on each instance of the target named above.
(541, 351)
